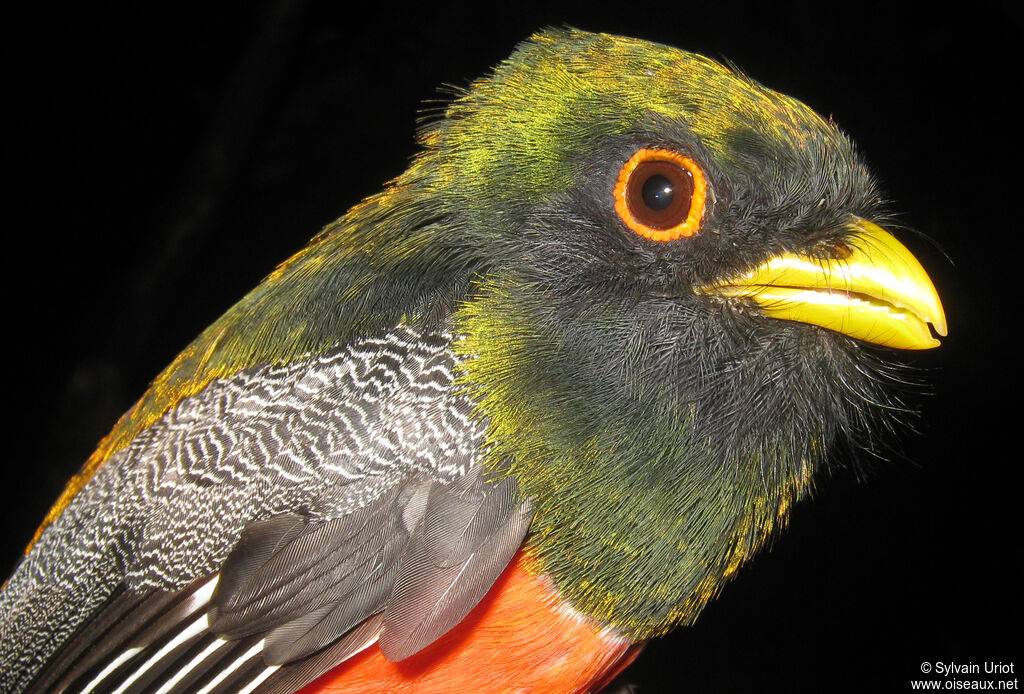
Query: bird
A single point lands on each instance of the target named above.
(502, 423)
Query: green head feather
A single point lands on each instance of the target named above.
(662, 435)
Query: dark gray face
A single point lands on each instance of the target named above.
(764, 197)
(618, 316)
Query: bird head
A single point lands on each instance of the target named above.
(683, 299)
(670, 292)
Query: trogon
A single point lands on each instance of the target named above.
(503, 422)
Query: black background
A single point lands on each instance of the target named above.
(165, 159)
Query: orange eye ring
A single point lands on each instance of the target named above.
(660, 194)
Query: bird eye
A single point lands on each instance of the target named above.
(660, 194)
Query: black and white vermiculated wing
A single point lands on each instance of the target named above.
(268, 527)
(297, 597)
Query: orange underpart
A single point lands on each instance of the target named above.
(688, 226)
(520, 638)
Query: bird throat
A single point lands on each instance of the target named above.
(644, 556)
(642, 511)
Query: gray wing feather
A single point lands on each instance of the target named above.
(336, 574)
(290, 679)
(322, 564)
(312, 487)
(306, 635)
(465, 543)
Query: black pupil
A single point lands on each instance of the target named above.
(657, 192)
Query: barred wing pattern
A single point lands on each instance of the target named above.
(349, 487)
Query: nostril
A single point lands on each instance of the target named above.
(839, 251)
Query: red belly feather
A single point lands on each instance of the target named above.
(519, 639)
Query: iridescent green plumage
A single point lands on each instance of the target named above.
(662, 433)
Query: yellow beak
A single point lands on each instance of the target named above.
(877, 293)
